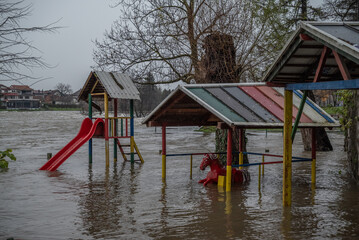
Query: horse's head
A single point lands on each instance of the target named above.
(207, 161)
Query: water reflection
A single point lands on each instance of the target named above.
(109, 201)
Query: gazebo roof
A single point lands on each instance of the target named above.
(116, 85)
(236, 105)
(300, 57)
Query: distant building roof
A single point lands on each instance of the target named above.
(20, 87)
(116, 85)
(299, 58)
(240, 105)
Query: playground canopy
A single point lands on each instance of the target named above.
(116, 85)
(253, 105)
(332, 46)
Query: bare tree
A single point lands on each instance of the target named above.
(64, 89)
(16, 51)
(342, 10)
(166, 37)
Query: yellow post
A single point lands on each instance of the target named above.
(132, 146)
(163, 152)
(228, 178)
(287, 148)
(240, 147)
(221, 181)
(262, 164)
(313, 171)
(107, 146)
(190, 172)
(229, 160)
(241, 160)
(259, 176)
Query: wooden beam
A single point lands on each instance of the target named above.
(342, 66)
(305, 37)
(329, 85)
(170, 105)
(279, 65)
(222, 125)
(309, 56)
(94, 86)
(187, 110)
(323, 58)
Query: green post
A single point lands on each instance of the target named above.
(90, 116)
(121, 127)
(299, 114)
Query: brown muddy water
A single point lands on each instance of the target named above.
(131, 202)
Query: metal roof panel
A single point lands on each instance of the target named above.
(234, 104)
(216, 104)
(118, 85)
(265, 115)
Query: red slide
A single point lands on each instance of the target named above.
(86, 132)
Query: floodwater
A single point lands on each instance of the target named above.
(131, 202)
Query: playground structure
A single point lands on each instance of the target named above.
(318, 56)
(105, 86)
(235, 107)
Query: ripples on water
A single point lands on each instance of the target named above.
(127, 202)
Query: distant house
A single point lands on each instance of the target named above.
(18, 97)
(3, 91)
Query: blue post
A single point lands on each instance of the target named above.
(132, 132)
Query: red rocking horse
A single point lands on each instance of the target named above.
(238, 176)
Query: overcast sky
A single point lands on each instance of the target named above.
(70, 49)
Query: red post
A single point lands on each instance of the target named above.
(163, 152)
(240, 147)
(115, 130)
(229, 160)
(126, 127)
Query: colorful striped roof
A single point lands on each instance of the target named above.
(241, 105)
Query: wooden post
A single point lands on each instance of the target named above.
(115, 130)
(314, 157)
(229, 160)
(107, 146)
(240, 147)
(90, 116)
(287, 148)
(163, 152)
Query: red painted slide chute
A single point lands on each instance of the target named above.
(87, 131)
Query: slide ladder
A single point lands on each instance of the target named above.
(128, 148)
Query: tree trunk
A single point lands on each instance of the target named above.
(218, 66)
(353, 130)
(323, 142)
